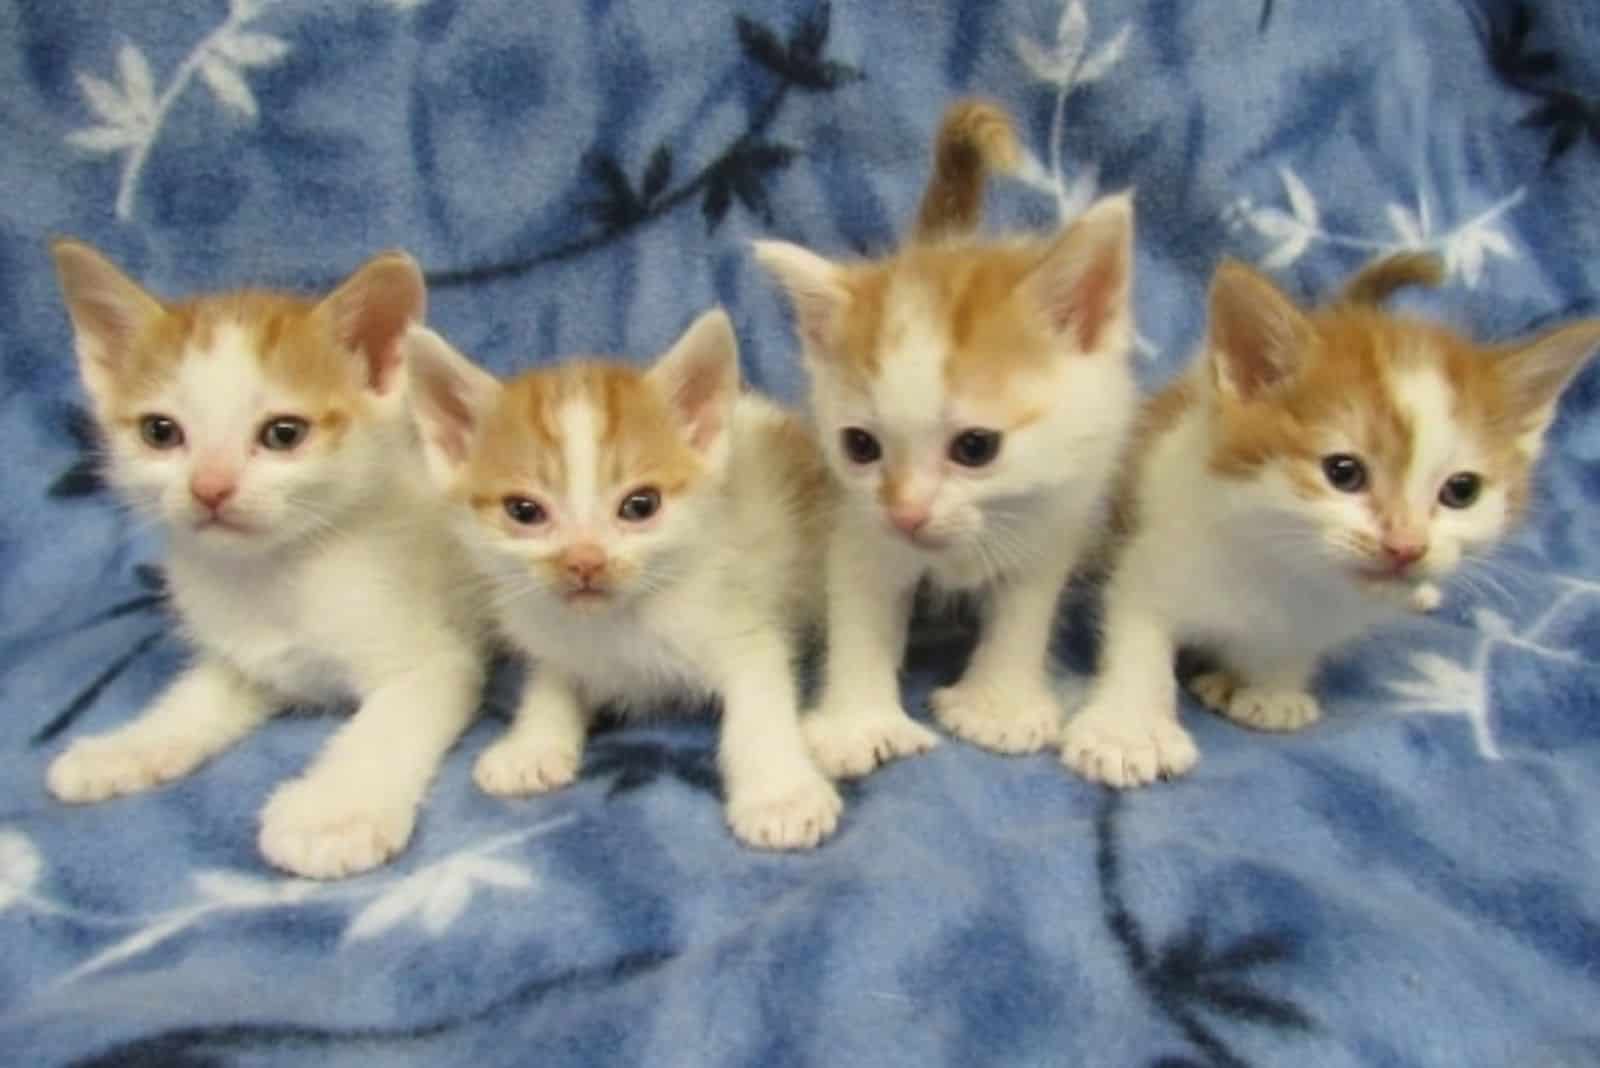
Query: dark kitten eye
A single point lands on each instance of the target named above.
(160, 432)
(975, 448)
(284, 432)
(640, 505)
(1344, 472)
(1461, 489)
(523, 510)
(860, 446)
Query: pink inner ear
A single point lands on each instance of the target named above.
(372, 311)
(696, 399)
(1086, 301)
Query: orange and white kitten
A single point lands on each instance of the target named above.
(647, 537)
(973, 396)
(1311, 474)
(307, 558)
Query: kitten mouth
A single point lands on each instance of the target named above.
(586, 595)
(222, 523)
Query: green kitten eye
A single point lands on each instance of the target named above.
(524, 511)
(284, 432)
(1461, 489)
(976, 447)
(1344, 472)
(160, 431)
(640, 505)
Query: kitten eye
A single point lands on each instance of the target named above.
(860, 446)
(640, 505)
(1461, 489)
(160, 431)
(284, 432)
(1344, 472)
(523, 510)
(975, 447)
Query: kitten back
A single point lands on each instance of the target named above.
(975, 137)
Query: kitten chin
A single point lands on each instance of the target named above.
(267, 435)
(1314, 474)
(972, 396)
(647, 538)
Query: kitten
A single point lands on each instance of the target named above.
(973, 397)
(268, 437)
(647, 536)
(1298, 486)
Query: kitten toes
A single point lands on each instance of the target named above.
(518, 767)
(798, 815)
(1426, 598)
(323, 829)
(94, 769)
(1108, 746)
(1013, 719)
(848, 744)
(1272, 710)
(1214, 689)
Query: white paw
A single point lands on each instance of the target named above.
(315, 828)
(797, 815)
(850, 742)
(516, 767)
(1214, 689)
(1123, 749)
(1016, 719)
(1273, 710)
(93, 769)
(1426, 598)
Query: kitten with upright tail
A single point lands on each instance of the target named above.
(972, 396)
(1314, 474)
(267, 437)
(646, 537)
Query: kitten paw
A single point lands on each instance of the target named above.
(94, 769)
(1109, 746)
(798, 815)
(1019, 719)
(518, 767)
(1272, 710)
(850, 743)
(316, 829)
(1214, 689)
(1426, 598)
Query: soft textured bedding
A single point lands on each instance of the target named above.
(1415, 881)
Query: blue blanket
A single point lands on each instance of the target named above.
(1415, 881)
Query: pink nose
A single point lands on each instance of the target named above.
(1402, 554)
(584, 562)
(909, 518)
(212, 489)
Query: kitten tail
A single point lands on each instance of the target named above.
(1381, 278)
(975, 137)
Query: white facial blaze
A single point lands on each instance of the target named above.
(581, 446)
(219, 397)
(1437, 450)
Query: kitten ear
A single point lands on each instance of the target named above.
(699, 376)
(1256, 335)
(371, 310)
(1084, 285)
(107, 308)
(450, 396)
(1538, 370)
(816, 288)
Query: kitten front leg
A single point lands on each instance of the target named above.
(1003, 701)
(543, 748)
(859, 722)
(1127, 733)
(204, 711)
(357, 804)
(776, 797)
(1264, 694)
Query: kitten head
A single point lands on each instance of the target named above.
(245, 420)
(590, 483)
(957, 382)
(1387, 446)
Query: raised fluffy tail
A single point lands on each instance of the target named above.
(975, 137)
(1378, 280)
